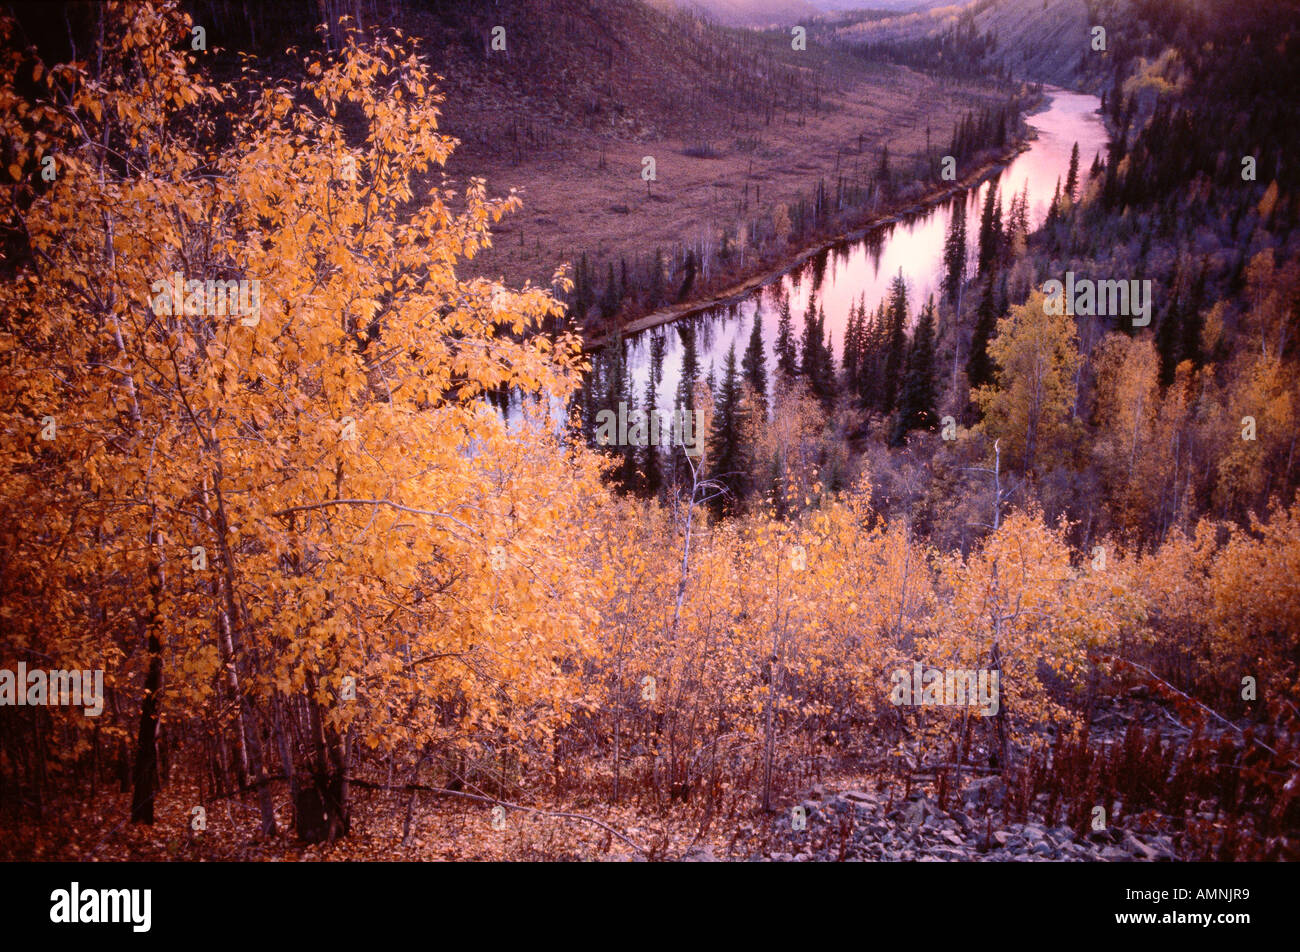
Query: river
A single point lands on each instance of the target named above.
(867, 265)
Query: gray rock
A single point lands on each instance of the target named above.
(1165, 846)
(917, 812)
(1142, 851)
(950, 856)
(985, 792)
(699, 854)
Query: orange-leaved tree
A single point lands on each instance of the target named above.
(275, 494)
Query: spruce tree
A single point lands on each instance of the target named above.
(689, 281)
(954, 250)
(582, 296)
(678, 472)
(1018, 217)
(1072, 177)
(1168, 341)
(1054, 209)
(878, 355)
(979, 368)
(811, 342)
(916, 409)
(618, 391)
(651, 461)
(754, 363)
(609, 301)
(726, 462)
(656, 292)
(685, 398)
(896, 353)
(824, 378)
(990, 229)
(787, 359)
(1193, 322)
(853, 341)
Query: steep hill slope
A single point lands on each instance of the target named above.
(748, 12)
(1039, 40)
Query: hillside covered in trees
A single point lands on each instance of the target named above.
(256, 471)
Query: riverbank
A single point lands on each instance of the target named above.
(767, 274)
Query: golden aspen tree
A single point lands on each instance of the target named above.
(385, 560)
(1254, 593)
(1030, 406)
(1019, 605)
(1127, 401)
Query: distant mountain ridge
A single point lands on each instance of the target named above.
(761, 13)
(1040, 40)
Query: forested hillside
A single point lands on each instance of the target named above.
(345, 606)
